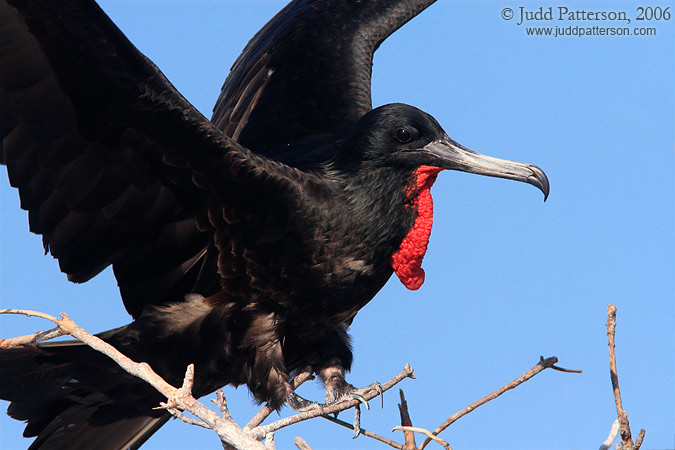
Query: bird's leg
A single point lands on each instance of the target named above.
(268, 377)
(332, 374)
(278, 391)
(338, 389)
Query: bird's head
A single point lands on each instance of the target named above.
(399, 135)
(405, 140)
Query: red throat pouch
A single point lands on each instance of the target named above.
(407, 260)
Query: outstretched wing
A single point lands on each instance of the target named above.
(307, 71)
(113, 165)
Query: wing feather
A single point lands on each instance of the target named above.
(307, 71)
(113, 165)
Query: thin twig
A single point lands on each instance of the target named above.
(425, 432)
(28, 313)
(542, 365)
(302, 444)
(31, 339)
(365, 432)
(613, 433)
(221, 402)
(561, 369)
(182, 417)
(640, 438)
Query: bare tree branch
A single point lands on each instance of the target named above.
(542, 365)
(182, 417)
(364, 432)
(407, 372)
(302, 444)
(180, 399)
(232, 436)
(561, 369)
(31, 339)
(640, 438)
(613, 433)
(425, 432)
(626, 437)
(409, 435)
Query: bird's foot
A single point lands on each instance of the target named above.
(298, 403)
(337, 388)
(337, 391)
(341, 391)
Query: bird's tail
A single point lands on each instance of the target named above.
(72, 397)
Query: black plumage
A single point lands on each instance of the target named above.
(245, 244)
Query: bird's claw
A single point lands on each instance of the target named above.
(361, 399)
(347, 392)
(359, 394)
(357, 421)
(376, 386)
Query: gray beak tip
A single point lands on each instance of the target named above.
(540, 180)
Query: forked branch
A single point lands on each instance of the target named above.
(181, 399)
(178, 399)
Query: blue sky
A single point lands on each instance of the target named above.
(509, 278)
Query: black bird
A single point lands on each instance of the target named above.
(245, 244)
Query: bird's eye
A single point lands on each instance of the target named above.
(405, 135)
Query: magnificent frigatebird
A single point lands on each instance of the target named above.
(245, 244)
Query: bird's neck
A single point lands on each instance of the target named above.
(398, 211)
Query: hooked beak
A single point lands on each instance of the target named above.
(454, 156)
